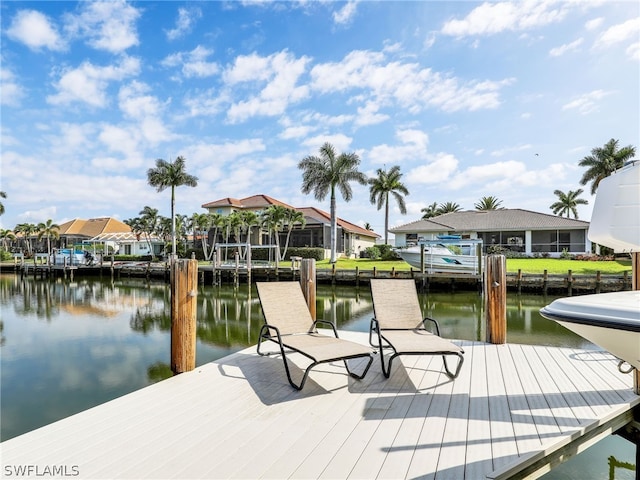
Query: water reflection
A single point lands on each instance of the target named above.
(68, 346)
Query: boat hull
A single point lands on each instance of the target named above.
(440, 262)
(609, 320)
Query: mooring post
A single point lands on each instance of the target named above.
(308, 283)
(496, 298)
(184, 289)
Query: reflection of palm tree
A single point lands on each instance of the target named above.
(159, 371)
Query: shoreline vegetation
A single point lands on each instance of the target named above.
(526, 265)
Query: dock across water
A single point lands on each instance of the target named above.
(513, 411)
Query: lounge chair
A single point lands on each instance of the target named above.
(288, 323)
(399, 325)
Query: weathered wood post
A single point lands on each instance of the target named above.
(308, 283)
(496, 298)
(184, 288)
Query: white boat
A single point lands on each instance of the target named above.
(64, 256)
(439, 257)
(609, 320)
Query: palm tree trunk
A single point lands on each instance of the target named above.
(173, 224)
(386, 219)
(334, 225)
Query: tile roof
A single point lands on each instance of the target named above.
(324, 217)
(93, 227)
(254, 201)
(487, 220)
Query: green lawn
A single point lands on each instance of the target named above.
(527, 265)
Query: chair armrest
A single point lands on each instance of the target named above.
(435, 322)
(327, 322)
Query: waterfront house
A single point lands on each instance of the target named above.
(516, 229)
(351, 239)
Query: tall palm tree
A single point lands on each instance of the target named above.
(567, 203)
(326, 173)
(249, 219)
(48, 229)
(27, 230)
(430, 211)
(603, 161)
(448, 207)
(2, 195)
(387, 182)
(171, 174)
(292, 217)
(488, 203)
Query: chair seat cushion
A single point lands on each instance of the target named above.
(418, 341)
(322, 348)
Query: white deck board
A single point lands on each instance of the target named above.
(239, 418)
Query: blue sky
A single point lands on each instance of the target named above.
(470, 99)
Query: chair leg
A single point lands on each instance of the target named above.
(459, 366)
(366, 369)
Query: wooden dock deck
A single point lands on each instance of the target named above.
(513, 409)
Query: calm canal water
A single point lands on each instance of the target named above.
(68, 346)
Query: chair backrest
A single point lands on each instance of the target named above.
(395, 303)
(285, 307)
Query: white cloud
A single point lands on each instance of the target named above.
(300, 131)
(633, 51)
(507, 150)
(567, 47)
(586, 103)
(594, 23)
(281, 72)
(186, 18)
(108, 25)
(12, 91)
(35, 30)
(368, 115)
(88, 83)
(346, 13)
(413, 87)
(413, 146)
(341, 143)
(493, 18)
(437, 171)
(619, 33)
(194, 63)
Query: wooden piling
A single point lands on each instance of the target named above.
(308, 283)
(184, 288)
(496, 298)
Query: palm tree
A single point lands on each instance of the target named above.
(325, 174)
(387, 182)
(367, 226)
(567, 203)
(273, 219)
(148, 224)
(27, 230)
(292, 216)
(171, 174)
(249, 219)
(2, 195)
(6, 235)
(603, 161)
(202, 223)
(448, 207)
(48, 229)
(430, 211)
(488, 203)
